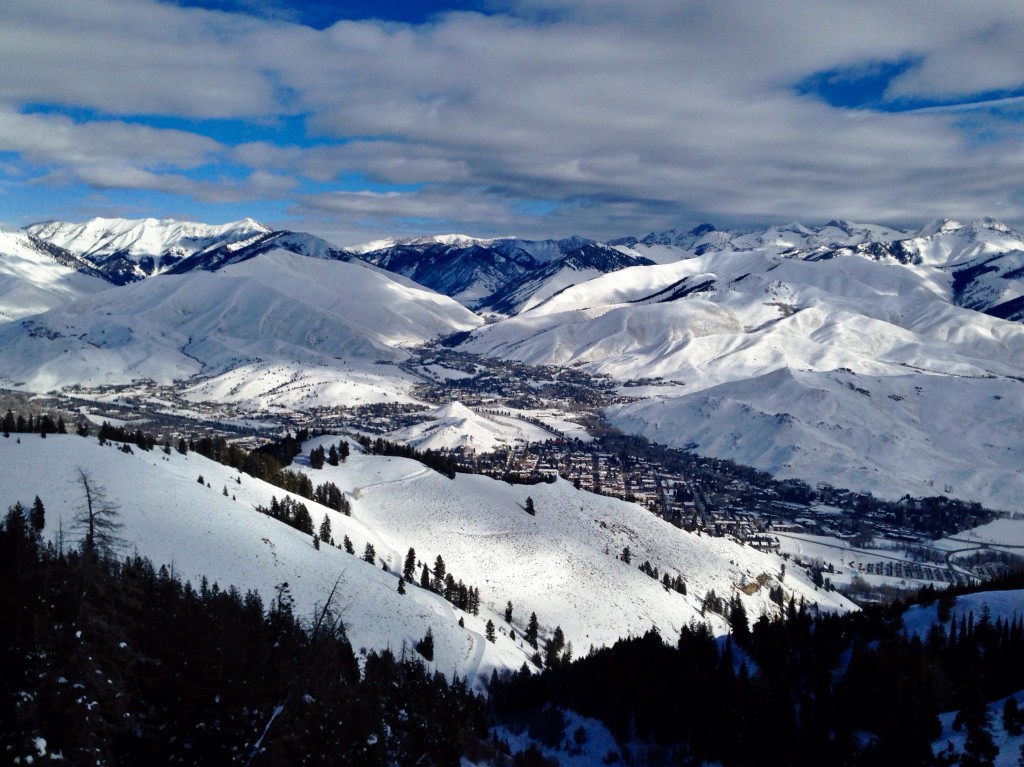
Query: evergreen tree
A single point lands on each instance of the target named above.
(554, 647)
(332, 456)
(401, 585)
(349, 548)
(532, 629)
(61, 428)
(409, 569)
(369, 555)
(979, 750)
(627, 556)
(508, 611)
(425, 646)
(343, 450)
(1012, 717)
(738, 621)
(425, 577)
(37, 517)
(325, 529)
(316, 457)
(439, 573)
(489, 631)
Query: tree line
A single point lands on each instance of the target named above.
(803, 689)
(115, 662)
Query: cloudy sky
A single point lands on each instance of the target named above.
(526, 117)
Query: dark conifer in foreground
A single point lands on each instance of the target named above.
(134, 670)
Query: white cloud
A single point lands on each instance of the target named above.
(622, 116)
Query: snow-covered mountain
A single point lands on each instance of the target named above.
(777, 331)
(561, 563)
(281, 311)
(36, 276)
(456, 427)
(818, 363)
(128, 250)
(499, 275)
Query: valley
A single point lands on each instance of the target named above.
(549, 449)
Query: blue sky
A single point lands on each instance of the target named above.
(528, 117)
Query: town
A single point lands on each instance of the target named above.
(701, 494)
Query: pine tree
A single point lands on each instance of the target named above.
(425, 577)
(508, 612)
(627, 556)
(343, 450)
(439, 573)
(425, 646)
(37, 517)
(332, 456)
(316, 542)
(369, 555)
(316, 457)
(738, 621)
(489, 631)
(409, 570)
(349, 548)
(554, 647)
(532, 629)
(401, 585)
(325, 529)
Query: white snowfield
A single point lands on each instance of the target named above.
(855, 370)
(138, 239)
(455, 426)
(849, 353)
(554, 563)
(31, 281)
(281, 308)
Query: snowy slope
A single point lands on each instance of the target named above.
(758, 352)
(454, 426)
(561, 563)
(32, 280)
(127, 250)
(303, 313)
(553, 563)
(499, 275)
(198, 531)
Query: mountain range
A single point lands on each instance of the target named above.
(886, 360)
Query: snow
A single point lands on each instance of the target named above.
(850, 370)
(1005, 605)
(165, 240)
(554, 563)
(31, 280)
(315, 318)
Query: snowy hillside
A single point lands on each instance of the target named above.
(127, 250)
(499, 275)
(33, 278)
(560, 563)
(278, 310)
(761, 356)
(454, 426)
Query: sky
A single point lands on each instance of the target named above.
(533, 118)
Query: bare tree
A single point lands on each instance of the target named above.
(97, 520)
